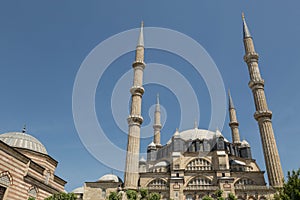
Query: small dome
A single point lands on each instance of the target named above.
(79, 190)
(142, 160)
(110, 178)
(244, 143)
(161, 164)
(23, 140)
(152, 144)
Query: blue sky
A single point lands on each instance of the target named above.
(43, 43)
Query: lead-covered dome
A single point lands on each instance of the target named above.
(110, 178)
(23, 140)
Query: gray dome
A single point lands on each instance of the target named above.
(110, 178)
(79, 190)
(23, 140)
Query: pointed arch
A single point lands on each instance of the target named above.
(157, 183)
(198, 164)
(198, 182)
(244, 181)
(6, 179)
(33, 191)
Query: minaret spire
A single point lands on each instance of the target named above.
(157, 123)
(135, 119)
(234, 124)
(262, 115)
(246, 32)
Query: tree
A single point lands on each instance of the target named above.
(231, 197)
(131, 195)
(154, 196)
(31, 198)
(113, 196)
(62, 196)
(291, 189)
(219, 193)
(144, 193)
(207, 198)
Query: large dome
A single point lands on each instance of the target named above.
(23, 140)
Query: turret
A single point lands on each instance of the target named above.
(157, 124)
(234, 124)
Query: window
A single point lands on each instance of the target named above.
(103, 193)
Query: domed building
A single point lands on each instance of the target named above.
(26, 168)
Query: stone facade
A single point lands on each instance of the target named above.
(25, 173)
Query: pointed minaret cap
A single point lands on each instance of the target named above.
(141, 36)
(157, 107)
(245, 27)
(230, 102)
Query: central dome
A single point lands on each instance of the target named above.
(23, 140)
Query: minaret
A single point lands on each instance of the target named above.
(234, 124)
(135, 119)
(157, 124)
(262, 115)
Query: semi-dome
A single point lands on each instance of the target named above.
(110, 178)
(23, 140)
(79, 190)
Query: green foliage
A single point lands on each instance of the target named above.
(218, 194)
(154, 196)
(62, 196)
(144, 193)
(291, 189)
(31, 198)
(207, 198)
(131, 195)
(231, 197)
(113, 196)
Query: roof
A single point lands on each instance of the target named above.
(78, 190)
(161, 164)
(23, 140)
(110, 178)
(195, 133)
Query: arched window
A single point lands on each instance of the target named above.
(198, 183)
(157, 184)
(32, 192)
(5, 179)
(198, 164)
(245, 181)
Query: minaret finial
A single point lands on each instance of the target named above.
(245, 27)
(195, 124)
(24, 129)
(230, 101)
(157, 107)
(141, 36)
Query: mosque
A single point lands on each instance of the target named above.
(196, 162)
(192, 164)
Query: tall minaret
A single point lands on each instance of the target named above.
(157, 124)
(135, 119)
(262, 115)
(234, 124)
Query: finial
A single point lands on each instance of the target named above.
(141, 36)
(24, 129)
(157, 107)
(230, 101)
(195, 124)
(246, 31)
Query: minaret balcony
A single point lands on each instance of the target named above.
(257, 84)
(260, 114)
(135, 119)
(234, 124)
(139, 63)
(251, 57)
(137, 90)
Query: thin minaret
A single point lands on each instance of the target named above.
(262, 115)
(135, 119)
(157, 123)
(234, 124)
